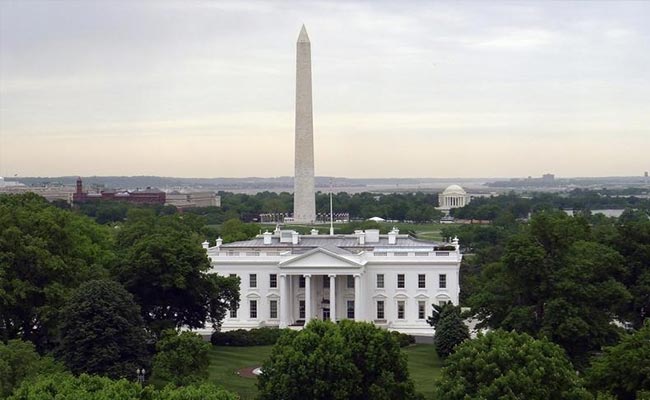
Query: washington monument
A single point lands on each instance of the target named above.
(304, 198)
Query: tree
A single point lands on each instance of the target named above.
(624, 369)
(561, 284)
(20, 361)
(349, 360)
(181, 358)
(165, 268)
(632, 241)
(86, 387)
(450, 330)
(45, 252)
(102, 331)
(508, 365)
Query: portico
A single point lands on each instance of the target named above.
(320, 284)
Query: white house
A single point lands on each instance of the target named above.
(288, 278)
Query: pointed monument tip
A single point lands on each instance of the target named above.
(303, 37)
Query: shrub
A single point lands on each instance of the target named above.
(403, 339)
(242, 337)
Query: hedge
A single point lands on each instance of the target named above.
(268, 336)
(242, 337)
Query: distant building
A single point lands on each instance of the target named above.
(548, 178)
(4, 183)
(193, 200)
(145, 196)
(453, 197)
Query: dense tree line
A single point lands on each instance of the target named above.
(95, 296)
(514, 206)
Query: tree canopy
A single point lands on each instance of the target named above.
(86, 387)
(181, 358)
(624, 369)
(508, 365)
(102, 331)
(19, 361)
(450, 328)
(560, 284)
(45, 252)
(164, 266)
(349, 360)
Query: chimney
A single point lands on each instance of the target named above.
(392, 236)
(205, 245)
(455, 243)
(372, 235)
(361, 235)
(295, 237)
(314, 232)
(219, 242)
(267, 237)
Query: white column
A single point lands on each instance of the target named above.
(284, 301)
(332, 297)
(307, 298)
(357, 297)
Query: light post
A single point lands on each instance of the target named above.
(140, 373)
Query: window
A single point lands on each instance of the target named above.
(301, 282)
(252, 280)
(350, 282)
(422, 281)
(273, 280)
(233, 275)
(442, 280)
(380, 309)
(273, 308)
(380, 281)
(400, 309)
(301, 309)
(326, 282)
(422, 309)
(350, 309)
(233, 309)
(400, 281)
(253, 308)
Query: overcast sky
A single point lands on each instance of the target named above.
(401, 89)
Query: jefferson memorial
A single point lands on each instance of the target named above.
(288, 279)
(453, 197)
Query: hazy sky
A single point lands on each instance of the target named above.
(401, 89)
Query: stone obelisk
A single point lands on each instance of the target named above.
(304, 198)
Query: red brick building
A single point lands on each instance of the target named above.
(145, 196)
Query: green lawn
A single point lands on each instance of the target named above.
(424, 367)
(423, 363)
(226, 361)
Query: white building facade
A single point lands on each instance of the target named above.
(453, 196)
(288, 279)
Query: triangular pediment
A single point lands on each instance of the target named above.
(319, 258)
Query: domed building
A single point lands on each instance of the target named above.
(452, 197)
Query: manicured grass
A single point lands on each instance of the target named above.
(225, 361)
(424, 367)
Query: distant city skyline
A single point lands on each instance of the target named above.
(400, 89)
